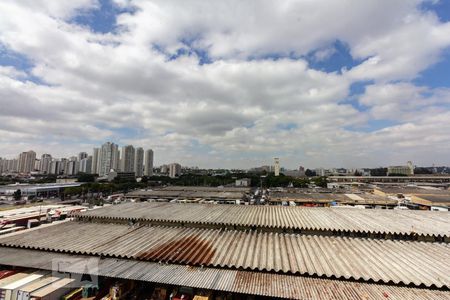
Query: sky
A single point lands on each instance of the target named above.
(231, 84)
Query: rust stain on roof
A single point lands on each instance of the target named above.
(189, 250)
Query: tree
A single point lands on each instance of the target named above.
(422, 171)
(310, 173)
(84, 177)
(378, 172)
(321, 181)
(17, 195)
(300, 182)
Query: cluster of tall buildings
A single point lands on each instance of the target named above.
(103, 160)
(173, 170)
(130, 160)
(25, 163)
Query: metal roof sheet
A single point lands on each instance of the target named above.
(186, 194)
(255, 283)
(400, 262)
(399, 222)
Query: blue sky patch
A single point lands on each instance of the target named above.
(339, 58)
(440, 8)
(101, 19)
(189, 50)
(20, 62)
(14, 59)
(357, 89)
(437, 75)
(372, 125)
(287, 126)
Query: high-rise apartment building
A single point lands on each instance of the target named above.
(72, 166)
(63, 164)
(82, 155)
(116, 158)
(13, 165)
(44, 166)
(174, 170)
(95, 161)
(37, 165)
(148, 166)
(55, 167)
(27, 161)
(109, 158)
(128, 157)
(139, 162)
(86, 165)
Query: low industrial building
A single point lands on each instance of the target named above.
(248, 251)
(428, 198)
(228, 195)
(243, 182)
(45, 213)
(35, 190)
(416, 179)
(301, 198)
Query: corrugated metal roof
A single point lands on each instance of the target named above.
(245, 282)
(171, 194)
(301, 218)
(407, 262)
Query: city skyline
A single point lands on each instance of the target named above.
(101, 160)
(124, 161)
(360, 84)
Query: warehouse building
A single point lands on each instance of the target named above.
(186, 194)
(271, 251)
(35, 190)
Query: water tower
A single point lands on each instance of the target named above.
(277, 166)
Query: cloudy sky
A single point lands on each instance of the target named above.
(318, 83)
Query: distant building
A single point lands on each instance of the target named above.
(320, 172)
(86, 165)
(266, 169)
(95, 161)
(72, 166)
(174, 170)
(164, 169)
(148, 166)
(26, 161)
(55, 167)
(128, 157)
(45, 163)
(63, 165)
(37, 164)
(243, 182)
(82, 155)
(301, 171)
(121, 176)
(277, 166)
(407, 170)
(139, 162)
(109, 158)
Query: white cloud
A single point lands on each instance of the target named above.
(234, 111)
(404, 102)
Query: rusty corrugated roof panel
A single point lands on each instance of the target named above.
(407, 262)
(301, 218)
(246, 282)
